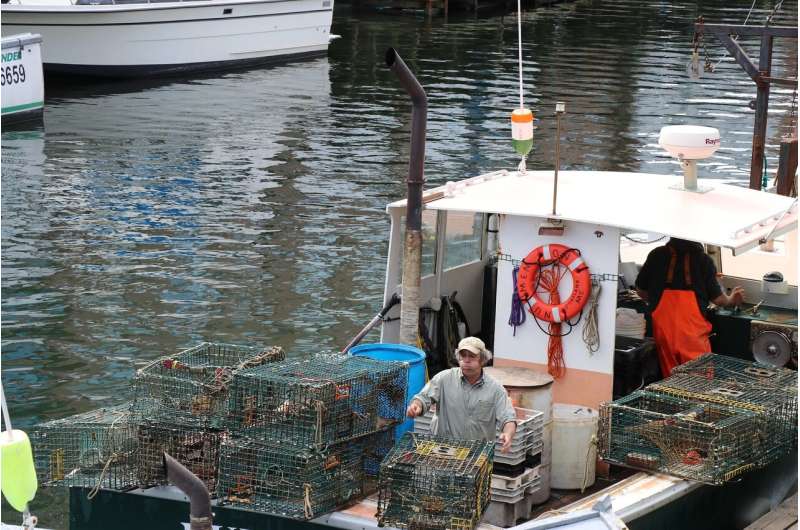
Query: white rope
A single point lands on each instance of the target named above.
(736, 37)
(592, 443)
(591, 333)
(6, 416)
(519, 51)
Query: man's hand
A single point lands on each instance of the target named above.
(507, 436)
(414, 409)
(505, 442)
(737, 295)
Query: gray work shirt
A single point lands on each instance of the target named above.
(465, 411)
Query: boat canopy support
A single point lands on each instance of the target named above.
(760, 73)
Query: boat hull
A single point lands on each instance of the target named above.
(132, 40)
(21, 78)
(689, 506)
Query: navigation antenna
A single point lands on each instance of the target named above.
(521, 118)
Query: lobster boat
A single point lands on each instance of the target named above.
(490, 236)
(488, 239)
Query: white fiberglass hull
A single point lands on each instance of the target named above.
(169, 37)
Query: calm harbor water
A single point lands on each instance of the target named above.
(248, 207)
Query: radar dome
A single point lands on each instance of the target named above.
(689, 142)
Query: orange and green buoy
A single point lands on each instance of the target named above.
(522, 131)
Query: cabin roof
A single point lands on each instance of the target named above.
(728, 216)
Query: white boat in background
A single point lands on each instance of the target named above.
(132, 38)
(21, 78)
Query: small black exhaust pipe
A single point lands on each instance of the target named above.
(419, 120)
(412, 247)
(200, 516)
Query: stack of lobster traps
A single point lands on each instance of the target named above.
(180, 404)
(306, 434)
(713, 419)
(433, 483)
(296, 437)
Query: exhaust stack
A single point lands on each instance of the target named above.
(412, 247)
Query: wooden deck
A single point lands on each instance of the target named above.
(783, 517)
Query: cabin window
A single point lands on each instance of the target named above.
(428, 266)
(463, 238)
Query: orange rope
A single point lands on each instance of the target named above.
(550, 278)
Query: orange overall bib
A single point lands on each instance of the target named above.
(679, 328)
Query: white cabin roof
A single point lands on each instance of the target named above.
(728, 216)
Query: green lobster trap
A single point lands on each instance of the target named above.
(320, 400)
(191, 387)
(433, 483)
(769, 392)
(196, 448)
(701, 441)
(297, 482)
(92, 449)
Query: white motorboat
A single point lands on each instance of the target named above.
(21, 78)
(130, 38)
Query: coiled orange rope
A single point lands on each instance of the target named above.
(548, 281)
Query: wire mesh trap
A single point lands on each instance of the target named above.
(428, 482)
(297, 482)
(769, 392)
(196, 448)
(320, 400)
(191, 387)
(96, 447)
(726, 368)
(701, 441)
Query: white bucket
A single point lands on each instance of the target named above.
(574, 447)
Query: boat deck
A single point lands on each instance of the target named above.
(783, 517)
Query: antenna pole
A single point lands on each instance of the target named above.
(560, 109)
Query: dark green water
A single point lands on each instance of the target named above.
(248, 207)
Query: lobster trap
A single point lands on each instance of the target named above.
(194, 447)
(726, 368)
(432, 483)
(324, 399)
(190, 387)
(701, 441)
(297, 482)
(769, 392)
(92, 449)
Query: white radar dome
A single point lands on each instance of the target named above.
(689, 142)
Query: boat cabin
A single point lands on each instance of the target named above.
(477, 230)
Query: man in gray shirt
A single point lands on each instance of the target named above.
(470, 405)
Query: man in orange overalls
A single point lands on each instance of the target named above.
(678, 280)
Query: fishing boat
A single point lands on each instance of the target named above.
(112, 38)
(21, 78)
(483, 227)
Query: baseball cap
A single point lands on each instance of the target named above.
(475, 345)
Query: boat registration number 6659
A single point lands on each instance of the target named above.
(11, 74)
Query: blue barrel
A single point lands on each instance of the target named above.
(399, 352)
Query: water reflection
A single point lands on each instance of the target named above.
(249, 206)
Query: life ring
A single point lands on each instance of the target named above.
(528, 279)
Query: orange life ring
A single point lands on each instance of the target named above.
(527, 281)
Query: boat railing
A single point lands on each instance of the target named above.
(125, 2)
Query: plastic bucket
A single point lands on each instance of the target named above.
(575, 453)
(399, 352)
